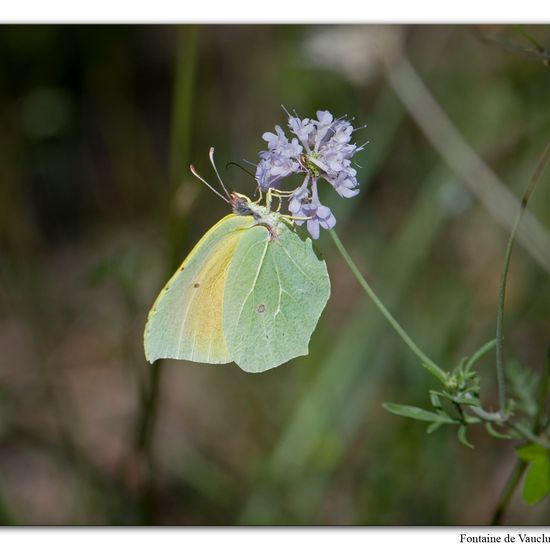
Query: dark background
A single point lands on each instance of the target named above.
(98, 125)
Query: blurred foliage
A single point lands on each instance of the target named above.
(98, 125)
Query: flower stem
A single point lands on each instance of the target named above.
(426, 361)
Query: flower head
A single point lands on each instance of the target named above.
(321, 149)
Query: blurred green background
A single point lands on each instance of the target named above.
(98, 125)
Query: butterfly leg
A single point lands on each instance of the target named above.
(268, 196)
(260, 197)
(292, 219)
(280, 203)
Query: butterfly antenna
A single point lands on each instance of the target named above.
(211, 155)
(232, 163)
(196, 174)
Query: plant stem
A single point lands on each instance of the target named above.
(529, 435)
(426, 361)
(542, 396)
(500, 316)
(147, 422)
(504, 275)
(182, 117)
(144, 443)
(509, 490)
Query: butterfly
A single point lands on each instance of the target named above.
(251, 291)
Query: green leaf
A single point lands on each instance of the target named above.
(434, 398)
(491, 430)
(460, 368)
(532, 452)
(441, 376)
(462, 437)
(463, 400)
(432, 427)
(477, 355)
(444, 394)
(537, 481)
(524, 384)
(418, 414)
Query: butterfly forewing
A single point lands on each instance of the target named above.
(185, 321)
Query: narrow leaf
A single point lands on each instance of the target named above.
(432, 427)
(491, 430)
(524, 384)
(463, 400)
(440, 375)
(434, 398)
(418, 414)
(476, 356)
(462, 437)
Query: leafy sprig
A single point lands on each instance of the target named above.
(457, 401)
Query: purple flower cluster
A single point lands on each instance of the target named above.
(321, 149)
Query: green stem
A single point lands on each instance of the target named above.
(144, 440)
(509, 490)
(426, 361)
(527, 434)
(542, 396)
(182, 117)
(500, 316)
(503, 278)
(182, 105)
(487, 415)
(149, 409)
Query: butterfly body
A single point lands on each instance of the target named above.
(243, 206)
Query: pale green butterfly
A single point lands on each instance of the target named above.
(251, 291)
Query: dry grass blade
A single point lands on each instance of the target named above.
(465, 162)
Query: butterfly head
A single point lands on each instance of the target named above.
(241, 204)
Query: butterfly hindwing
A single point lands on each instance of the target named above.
(276, 289)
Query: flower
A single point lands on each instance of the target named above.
(318, 215)
(279, 161)
(322, 149)
(345, 186)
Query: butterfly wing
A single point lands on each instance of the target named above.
(185, 321)
(276, 289)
